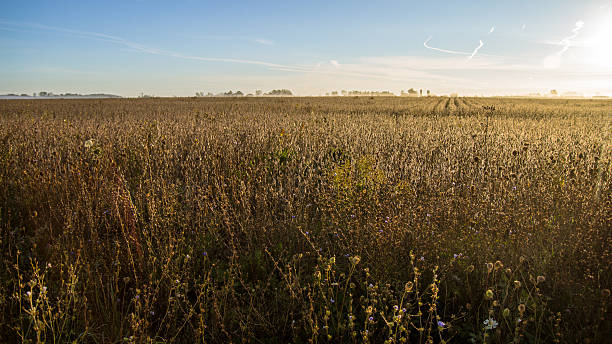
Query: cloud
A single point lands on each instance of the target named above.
(454, 52)
(476, 50)
(567, 41)
(554, 61)
(523, 27)
(353, 71)
(443, 50)
(492, 29)
(140, 47)
(263, 41)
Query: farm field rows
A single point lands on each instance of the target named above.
(344, 219)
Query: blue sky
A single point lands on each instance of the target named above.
(311, 47)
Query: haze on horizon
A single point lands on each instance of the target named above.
(182, 47)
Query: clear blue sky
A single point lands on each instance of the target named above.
(311, 47)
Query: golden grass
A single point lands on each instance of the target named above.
(305, 220)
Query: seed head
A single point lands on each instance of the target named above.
(408, 287)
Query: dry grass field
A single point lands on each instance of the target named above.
(276, 220)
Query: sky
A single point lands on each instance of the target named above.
(178, 48)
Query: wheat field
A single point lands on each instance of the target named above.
(335, 219)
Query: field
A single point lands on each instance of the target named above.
(276, 220)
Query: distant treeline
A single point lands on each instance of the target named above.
(258, 93)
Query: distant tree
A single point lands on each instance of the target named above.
(412, 92)
(428, 92)
(344, 93)
(283, 92)
(34, 94)
(554, 92)
(420, 92)
(334, 93)
(258, 93)
(42, 93)
(238, 94)
(24, 95)
(209, 94)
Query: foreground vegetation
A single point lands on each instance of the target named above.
(305, 220)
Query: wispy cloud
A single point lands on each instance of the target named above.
(263, 41)
(554, 61)
(567, 41)
(334, 68)
(454, 52)
(426, 45)
(137, 46)
(476, 50)
(492, 29)
(523, 27)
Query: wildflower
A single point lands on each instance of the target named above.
(498, 265)
(395, 307)
(332, 260)
(517, 284)
(204, 253)
(521, 308)
(355, 260)
(187, 257)
(89, 143)
(506, 313)
(470, 268)
(489, 267)
(44, 289)
(332, 300)
(490, 324)
(541, 279)
(371, 319)
(605, 293)
(404, 310)
(307, 233)
(29, 293)
(370, 285)
(489, 294)
(441, 324)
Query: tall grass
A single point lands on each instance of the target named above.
(305, 220)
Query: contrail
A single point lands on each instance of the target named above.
(567, 41)
(476, 50)
(139, 47)
(443, 50)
